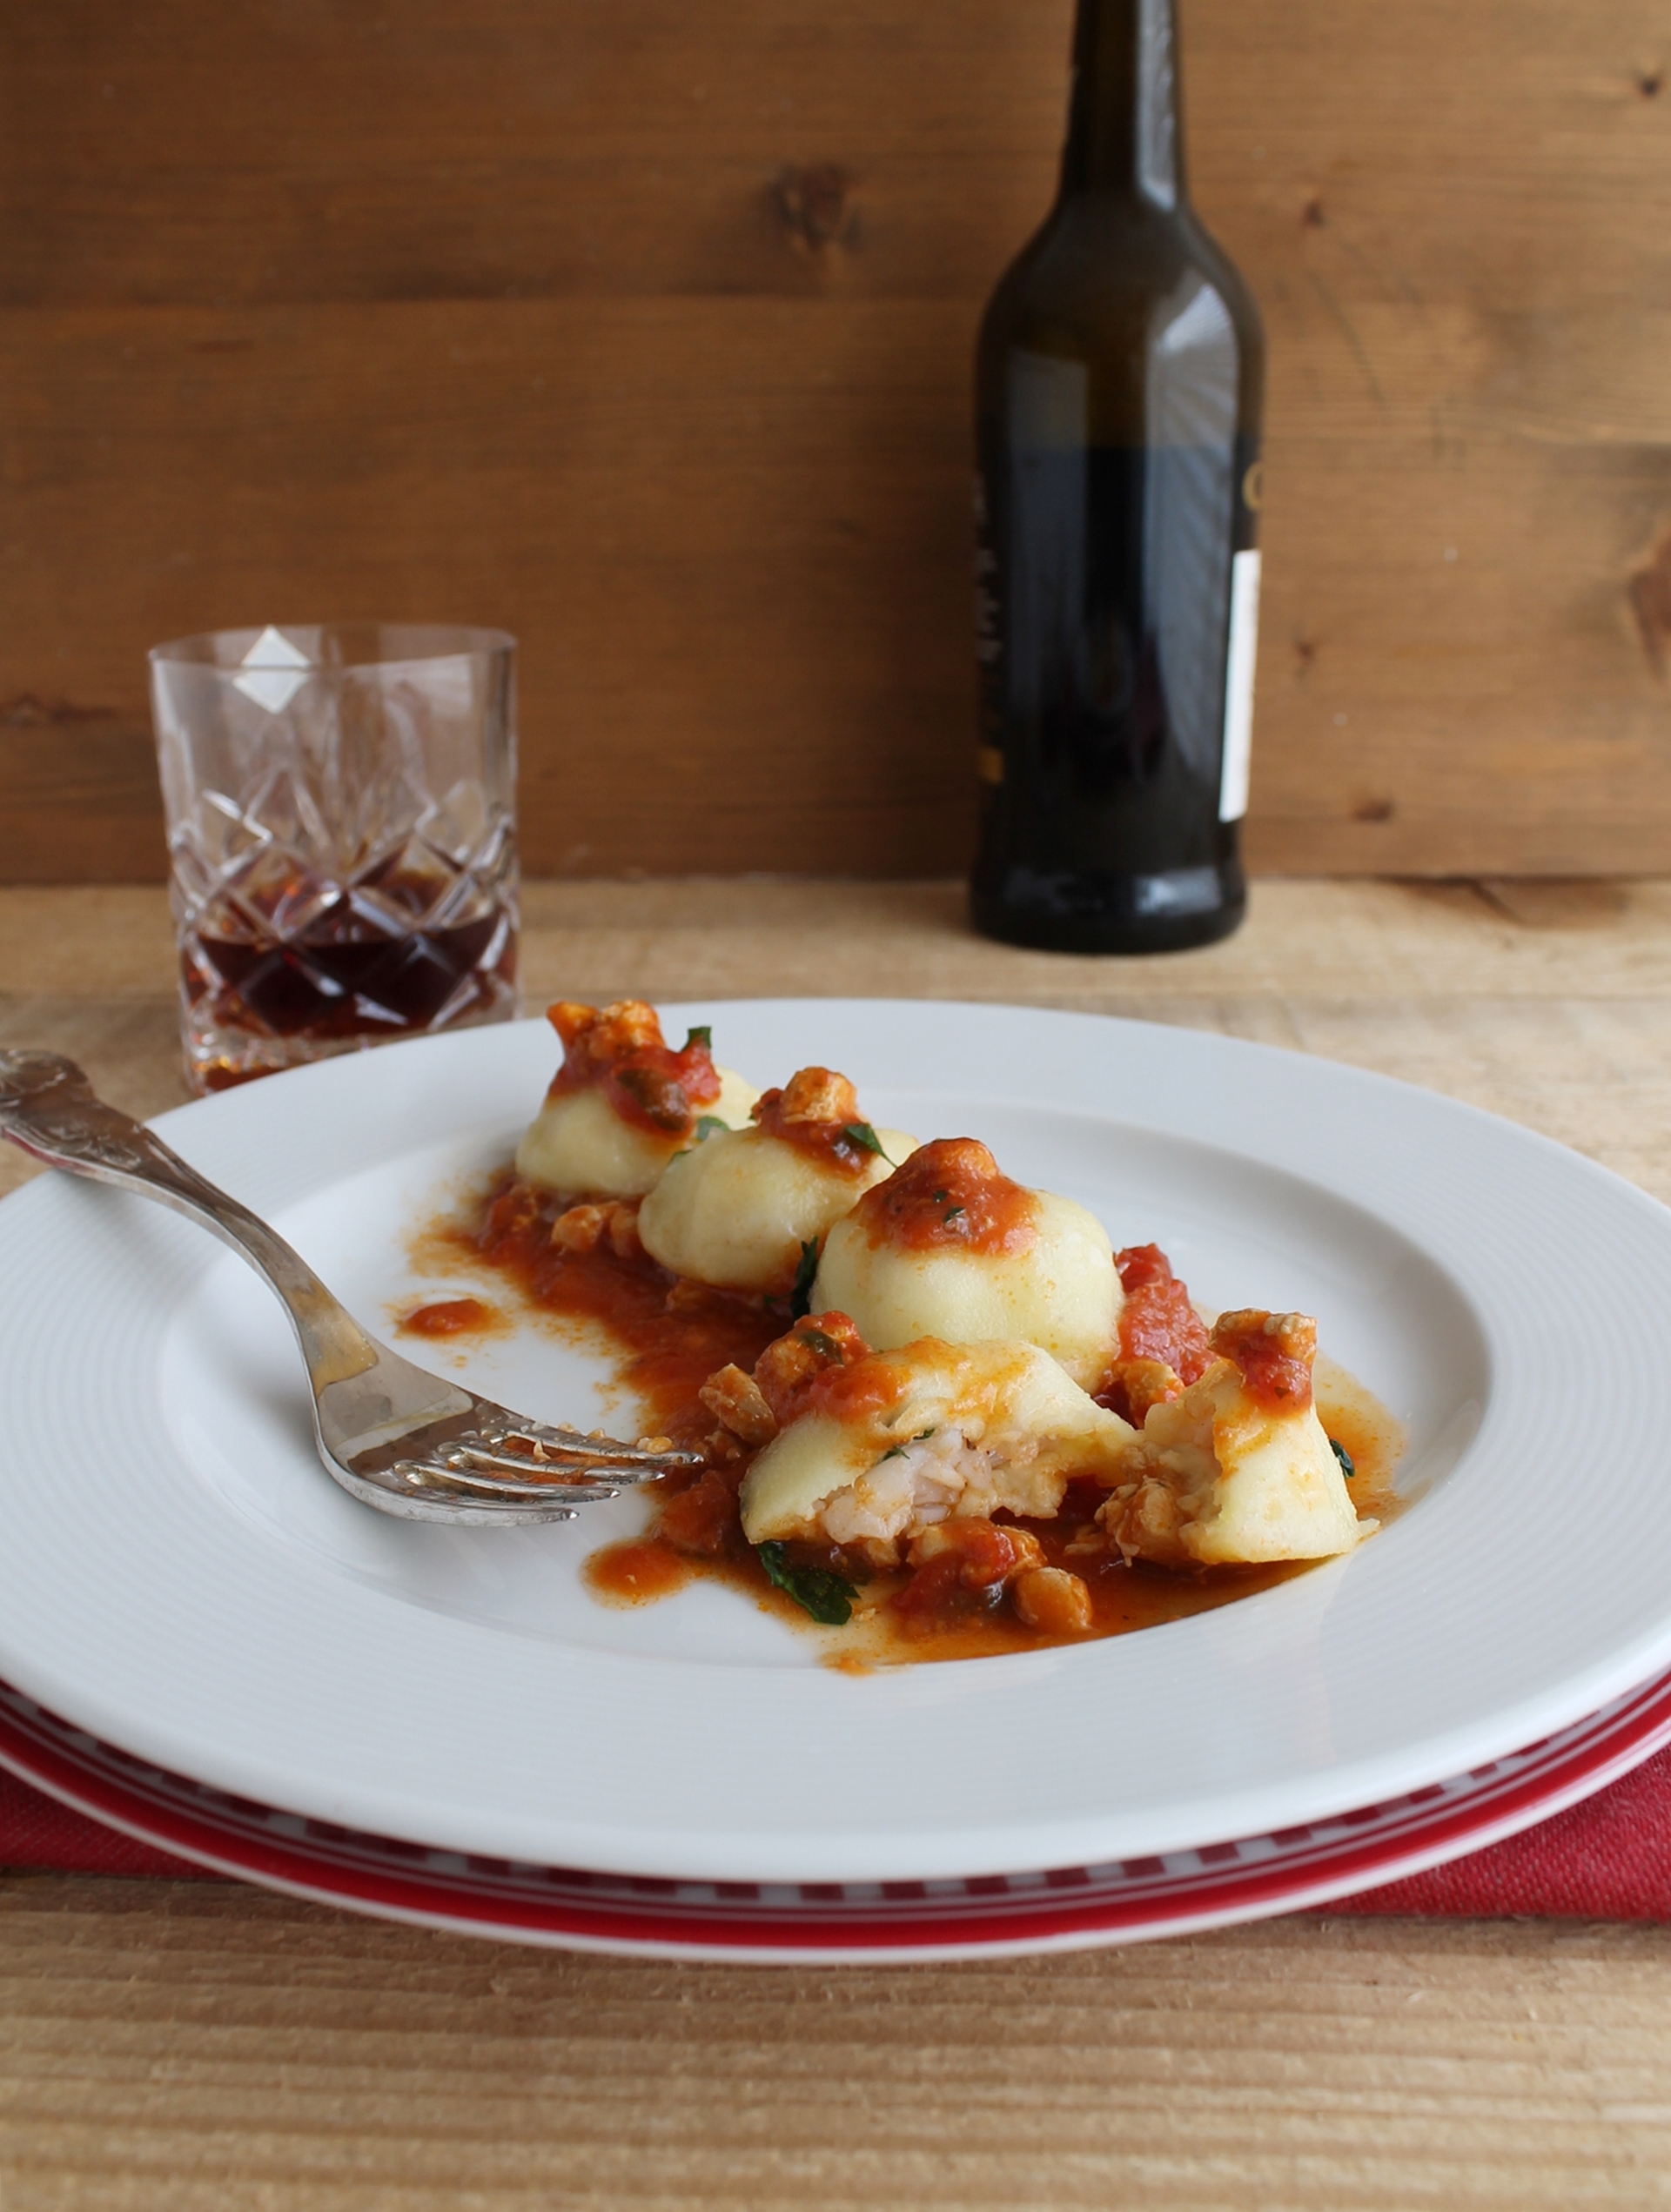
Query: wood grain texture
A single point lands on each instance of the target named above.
(202, 2048)
(1548, 1001)
(645, 331)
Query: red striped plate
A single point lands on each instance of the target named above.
(870, 1923)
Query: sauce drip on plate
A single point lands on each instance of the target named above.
(667, 1338)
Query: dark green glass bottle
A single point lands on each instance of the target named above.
(1119, 383)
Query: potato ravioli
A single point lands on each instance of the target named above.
(938, 1411)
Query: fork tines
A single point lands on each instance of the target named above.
(556, 1460)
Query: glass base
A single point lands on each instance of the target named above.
(219, 1053)
(416, 946)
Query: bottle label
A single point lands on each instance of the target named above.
(1238, 684)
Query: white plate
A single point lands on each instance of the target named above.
(180, 1578)
(1061, 1908)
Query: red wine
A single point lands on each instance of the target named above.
(1119, 381)
(256, 1001)
(325, 986)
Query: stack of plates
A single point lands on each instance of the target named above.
(210, 1644)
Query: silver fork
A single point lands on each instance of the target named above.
(393, 1435)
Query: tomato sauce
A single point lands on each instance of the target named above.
(809, 1365)
(668, 1336)
(1123, 1598)
(949, 1196)
(1157, 1321)
(451, 1318)
(818, 1111)
(637, 1572)
(1274, 1351)
(1164, 1341)
(671, 1337)
(619, 1049)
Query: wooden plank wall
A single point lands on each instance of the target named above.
(643, 328)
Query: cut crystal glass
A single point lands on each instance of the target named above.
(342, 834)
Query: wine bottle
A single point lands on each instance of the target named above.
(1119, 382)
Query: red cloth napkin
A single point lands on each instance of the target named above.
(1608, 1859)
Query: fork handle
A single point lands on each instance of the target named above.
(49, 1108)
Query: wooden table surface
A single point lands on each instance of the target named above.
(205, 2047)
(645, 331)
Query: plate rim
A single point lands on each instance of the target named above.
(1581, 1692)
(1602, 1750)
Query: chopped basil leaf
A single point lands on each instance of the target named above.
(865, 1137)
(951, 1215)
(801, 1296)
(1345, 1457)
(709, 1125)
(827, 1596)
(703, 1035)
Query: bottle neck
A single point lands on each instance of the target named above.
(1125, 134)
